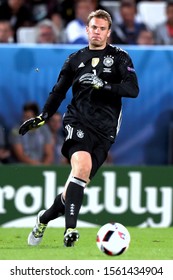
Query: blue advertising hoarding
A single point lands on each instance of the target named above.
(28, 73)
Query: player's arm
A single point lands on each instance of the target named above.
(129, 83)
(59, 90)
(57, 95)
(53, 102)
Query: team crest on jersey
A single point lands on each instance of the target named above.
(80, 133)
(108, 61)
(95, 61)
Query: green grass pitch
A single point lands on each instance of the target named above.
(146, 244)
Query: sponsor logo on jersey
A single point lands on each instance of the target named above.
(107, 70)
(80, 133)
(81, 65)
(108, 61)
(95, 61)
(69, 131)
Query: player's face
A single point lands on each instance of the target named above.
(98, 32)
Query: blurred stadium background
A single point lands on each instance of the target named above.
(142, 155)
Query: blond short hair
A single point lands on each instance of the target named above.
(100, 14)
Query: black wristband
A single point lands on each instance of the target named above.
(107, 87)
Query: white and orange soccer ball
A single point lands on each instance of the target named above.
(113, 239)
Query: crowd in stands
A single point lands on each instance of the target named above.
(38, 147)
(63, 22)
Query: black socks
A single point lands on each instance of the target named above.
(71, 206)
(55, 211)
(73, 201)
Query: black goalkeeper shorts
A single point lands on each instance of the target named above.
(79, 138)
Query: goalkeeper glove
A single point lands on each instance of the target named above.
(92, 80)
(32, 123)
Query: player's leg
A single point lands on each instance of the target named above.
(81, 168)
(58, 207)
(56, 210)
(44, 216)
(99, 155)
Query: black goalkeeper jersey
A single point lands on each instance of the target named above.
(99, 110)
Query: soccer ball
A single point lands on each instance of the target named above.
(113, 239)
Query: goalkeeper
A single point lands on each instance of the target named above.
(100, 75)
